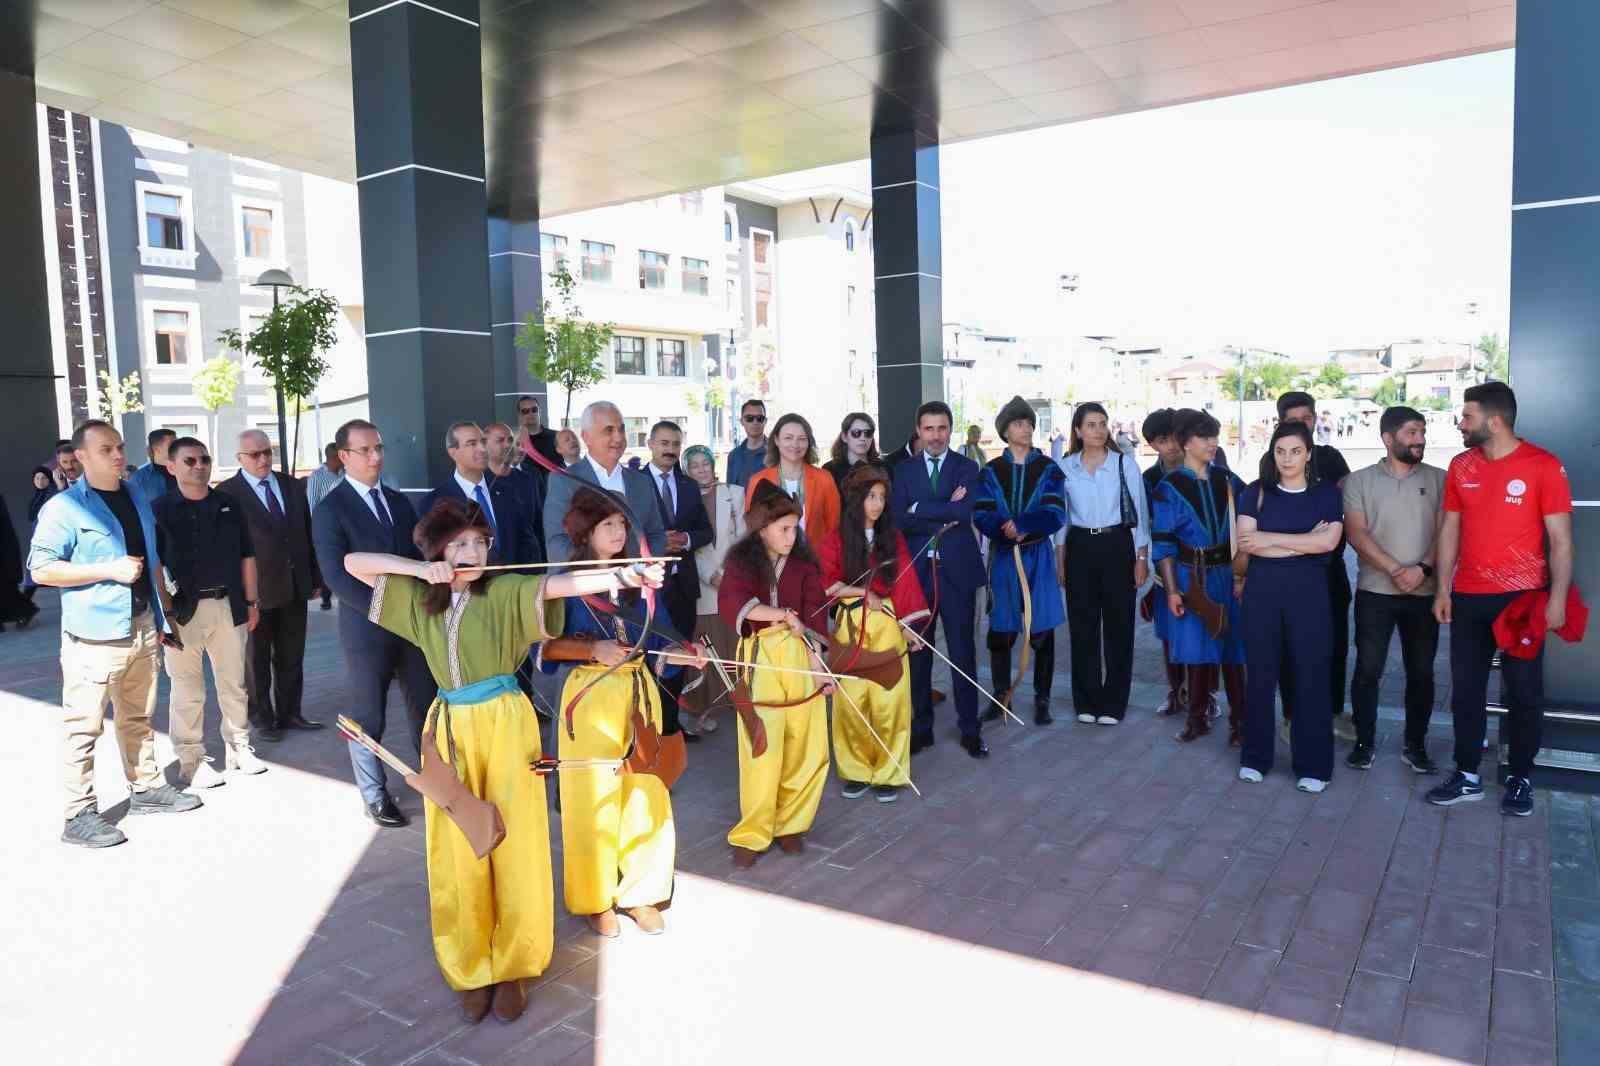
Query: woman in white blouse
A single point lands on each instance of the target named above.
(1104, 558)
(725, 506)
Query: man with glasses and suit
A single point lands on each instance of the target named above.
(471, 482)
(688, 527)
(361, 515)
(278, 518)
(750, 457)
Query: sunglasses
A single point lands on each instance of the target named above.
(755, 418)
(860, 434)
(197, 460)
(528, 410)
(259, 453)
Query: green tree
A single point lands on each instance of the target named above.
(691, 397)
(288, 347)
(564, 348)
(118, 398)
(1391, 391)
(216, 384)
(1259, 380)
(1493, 360)
(1328, 383)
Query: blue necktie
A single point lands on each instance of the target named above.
(383, 512)
(483, 505)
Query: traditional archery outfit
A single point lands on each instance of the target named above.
(1031, 494)
(618, 843)
(856, 754)
(1153, 608)
(493, 918)
(780, 791)
(1192, 525)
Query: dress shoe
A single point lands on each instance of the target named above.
(921, 742)
(744, 858)
(475, 1003)
(270, 734)
(793, 844)
(648, 919)
(975, 747)
(510, 1000)
(387, 813)
(297, 722)
(1041, 715)
(605, 924)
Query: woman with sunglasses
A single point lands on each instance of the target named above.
(792, 467)
(493, 921)
(856, 444)
(750, 455)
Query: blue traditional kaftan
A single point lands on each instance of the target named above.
(1194, 512)
(1033, 495)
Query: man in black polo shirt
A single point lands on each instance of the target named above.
(205, 545)
(1327, 464)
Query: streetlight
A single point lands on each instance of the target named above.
(278, 279)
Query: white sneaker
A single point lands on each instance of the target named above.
(1167, 706)
(243, 759)
(1106, 719)
(201, 775)
(1312, 785)
(1344, 728)
(1086, 719)
(1252, 776)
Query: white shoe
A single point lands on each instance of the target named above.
(1312, 785)
(201, 776)
(1086, 719)
(1252, 776)
(243, 759)
(1106, 719)
(1167, 706)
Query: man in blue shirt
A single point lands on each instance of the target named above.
(153, 478)
(749, 457)
(96, 542)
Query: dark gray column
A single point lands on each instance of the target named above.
(905, 226)
(1555, 252)
(424, 243)
(516, 290)
(27, 373)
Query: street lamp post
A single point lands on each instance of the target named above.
(279, 279)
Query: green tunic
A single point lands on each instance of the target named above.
(480, 635)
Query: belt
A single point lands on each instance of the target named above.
(212, 594)
(1095, 531)
(479, 691)
(1216, 555)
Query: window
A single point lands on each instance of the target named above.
(759, 243)
(638, 430)
(761, 311)
(730, 226)
(553, 250)
(733, 295)
(257, 232)
(691, 203)
(597, 261)
(670, 360)
(628, 354)
(652, 270)
(270, 428)
(172, 338)
(696, 277)
(163, 221)
(189, 429)
(849, 301)
(851, 367)
(849, 234)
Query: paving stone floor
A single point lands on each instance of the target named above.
(1088, 893)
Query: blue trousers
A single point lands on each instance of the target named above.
(1287, 617)
(372, 665)
(957, 614)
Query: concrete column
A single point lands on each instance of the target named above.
(1555, 318)
(418, 94)
(907, 268)
(516, 290)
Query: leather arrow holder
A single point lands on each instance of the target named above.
(478, 819)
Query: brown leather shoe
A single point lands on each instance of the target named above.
(605, 924)
(794, 843)
(648, 919)
(744, 858)
(475, 1003)
(509, 1000)
(1194, 729)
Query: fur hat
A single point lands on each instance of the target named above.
(1016, 408)
(859, 481)
(768, 503)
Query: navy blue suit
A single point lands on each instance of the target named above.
(960, 575)
(514, 540)
(341, 524)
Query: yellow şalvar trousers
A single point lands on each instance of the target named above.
(858, 756)
(779, 792)
(618, 844)
(493, 918)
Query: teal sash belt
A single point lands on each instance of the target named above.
(479, 691)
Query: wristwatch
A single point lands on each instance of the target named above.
(1427, 571)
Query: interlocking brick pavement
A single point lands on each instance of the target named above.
(1088, 892)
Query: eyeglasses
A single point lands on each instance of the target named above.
(471, 544)
(259, 453)
(755, 419)
(860, 434)
(370, 451)
(197, 460)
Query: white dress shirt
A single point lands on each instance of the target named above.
(612, 481)
(471, 492)
(365, 492)
(1094, 501)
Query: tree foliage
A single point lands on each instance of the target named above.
(288, 346)
(216, 383)
(1391, 391)
(1493, 360)
(564, 348)
(118, 398)
(1258, 380)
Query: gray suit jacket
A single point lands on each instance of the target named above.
(641, 496)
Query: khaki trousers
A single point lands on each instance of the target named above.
(125, 673)
(210, 633)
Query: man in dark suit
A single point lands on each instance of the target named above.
(278, 520)
(470, 483)
(683, 513)
(529, 490)
(360, 515)
(932, 489)
(605, 438)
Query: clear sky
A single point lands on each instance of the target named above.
(1344, 213)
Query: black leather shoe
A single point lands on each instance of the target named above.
(1041, 715)
(921, 742)
(270, 734)
(975, 747)
(302, 723)
(386, 813)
